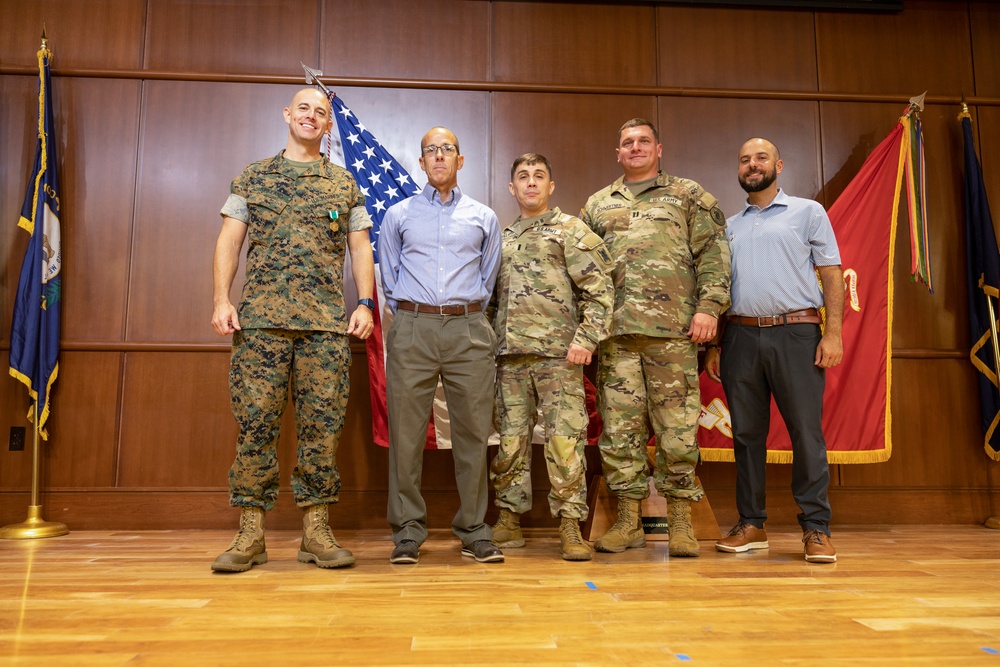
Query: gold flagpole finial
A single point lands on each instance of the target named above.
(45, 42)
(965, 109)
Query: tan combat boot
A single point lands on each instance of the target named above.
(682, 541)
(248, 548)
(571, 543)
(627, 532)
(318, 543)
(507, 531)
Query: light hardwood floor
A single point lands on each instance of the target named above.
(898, 596)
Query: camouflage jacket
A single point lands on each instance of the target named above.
(553, 288)
(670, 252)
(297, 231)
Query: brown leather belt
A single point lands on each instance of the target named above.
(462, 309)
(807, 316)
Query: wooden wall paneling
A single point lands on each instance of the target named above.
(83, 427)
(584, 44)
(81, 448)
(268, 37)
(177, 428)
(924, 47)
(984, 20)
(399, 118)
(736, 48)
(577, 133)
(196, 138)
(15, 467)
(939, 320)
(98, 120)
(18, 130)
(98, 34)
(702, 137)
(406, 39)
(937, 441)
(850, 132)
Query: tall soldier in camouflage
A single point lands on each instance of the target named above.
(671, 278)
(300, 212)
(550, 310)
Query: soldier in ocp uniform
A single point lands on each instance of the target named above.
(550, 310)
(671, 280)
(300, 213)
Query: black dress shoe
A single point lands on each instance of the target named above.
(483, 551)
(407, 551)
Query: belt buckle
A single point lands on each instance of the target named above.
(760, 321)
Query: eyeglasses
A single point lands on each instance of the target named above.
(447, 149)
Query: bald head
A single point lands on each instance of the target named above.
(759, 166)
(758, 144)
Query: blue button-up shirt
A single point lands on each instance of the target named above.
(439, 253)
(775, 251)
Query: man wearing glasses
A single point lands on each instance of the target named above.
(440, 252)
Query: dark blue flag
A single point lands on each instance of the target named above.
(984, 281)
(34, 336)
(384, 182)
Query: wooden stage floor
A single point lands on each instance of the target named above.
(903, 595)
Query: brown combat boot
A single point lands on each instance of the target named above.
(571, 543)
(248, 548)
(507, 531)
(627, 532)
(318, 543)
(682, 540)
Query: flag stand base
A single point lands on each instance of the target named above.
(34, 527)
(993, 522)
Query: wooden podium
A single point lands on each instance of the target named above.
(604, 511)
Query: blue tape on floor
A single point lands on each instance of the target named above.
(591, 585)
(681, 656)
(991, 651)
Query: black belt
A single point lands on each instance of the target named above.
(807, 316)
(456, 309)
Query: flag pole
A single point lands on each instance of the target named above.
(35, 526)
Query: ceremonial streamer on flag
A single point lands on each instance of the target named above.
(983, 283)
(34, 336)
(912, 153)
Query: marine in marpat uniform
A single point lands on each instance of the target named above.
(300, 213)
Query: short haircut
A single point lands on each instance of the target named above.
(638, 122)
(530, 158)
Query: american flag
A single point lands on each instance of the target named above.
(384, 182)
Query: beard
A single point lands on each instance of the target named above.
(767, 177)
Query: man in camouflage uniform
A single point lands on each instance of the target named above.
(300, 212)
(551, 304)
(671, 279)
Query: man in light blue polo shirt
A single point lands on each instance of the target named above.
(773, 345)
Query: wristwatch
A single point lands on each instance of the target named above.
(367, 302)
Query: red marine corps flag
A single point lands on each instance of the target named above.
(856, 420)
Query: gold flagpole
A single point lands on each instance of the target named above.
(35, 526)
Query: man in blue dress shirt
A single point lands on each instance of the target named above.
(440, 252)
(773, 345)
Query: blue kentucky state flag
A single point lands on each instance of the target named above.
(384, 182)
(983, 282)
(34, 336)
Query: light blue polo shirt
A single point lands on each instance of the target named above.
(775, 252)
